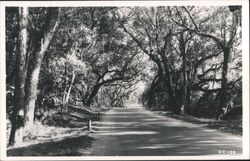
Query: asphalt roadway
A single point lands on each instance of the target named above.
(134, 131)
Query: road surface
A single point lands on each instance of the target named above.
(136, 132)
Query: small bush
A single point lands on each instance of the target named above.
(58, 119)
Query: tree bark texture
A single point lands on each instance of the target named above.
(182, 47)
(92, 95)
(223, 91)
(33, 73)
(19, 93)
(173, 105)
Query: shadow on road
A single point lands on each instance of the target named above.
(135, 132)
(74, 146)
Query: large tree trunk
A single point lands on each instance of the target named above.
(33, 73)
(182, 48)
(31, 89)
(92, 95)
(223, 91)
(226, 56)
(19, 93)
(153, 87)
(186, 94)
(168, 82)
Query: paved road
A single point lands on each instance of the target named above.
(136, 132)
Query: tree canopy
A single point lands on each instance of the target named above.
(189, 59)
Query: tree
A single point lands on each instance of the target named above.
(34, 40)
(122, 69)
(223, 38)
(144, 27)
(115, 94)
(51, 23)
(19, 92)
(12, 25)
(191, 56)
(94, 36)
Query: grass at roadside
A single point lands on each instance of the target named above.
(55, 127)
(228, 126)
(74, 145)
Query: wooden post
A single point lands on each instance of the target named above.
(89, 125)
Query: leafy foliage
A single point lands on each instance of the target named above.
(189, 57)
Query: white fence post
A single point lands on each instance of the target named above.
(89, 125)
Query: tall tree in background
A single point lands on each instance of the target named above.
(223, 32)
(152, 31)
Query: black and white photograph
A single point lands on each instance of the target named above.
(124, 80)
